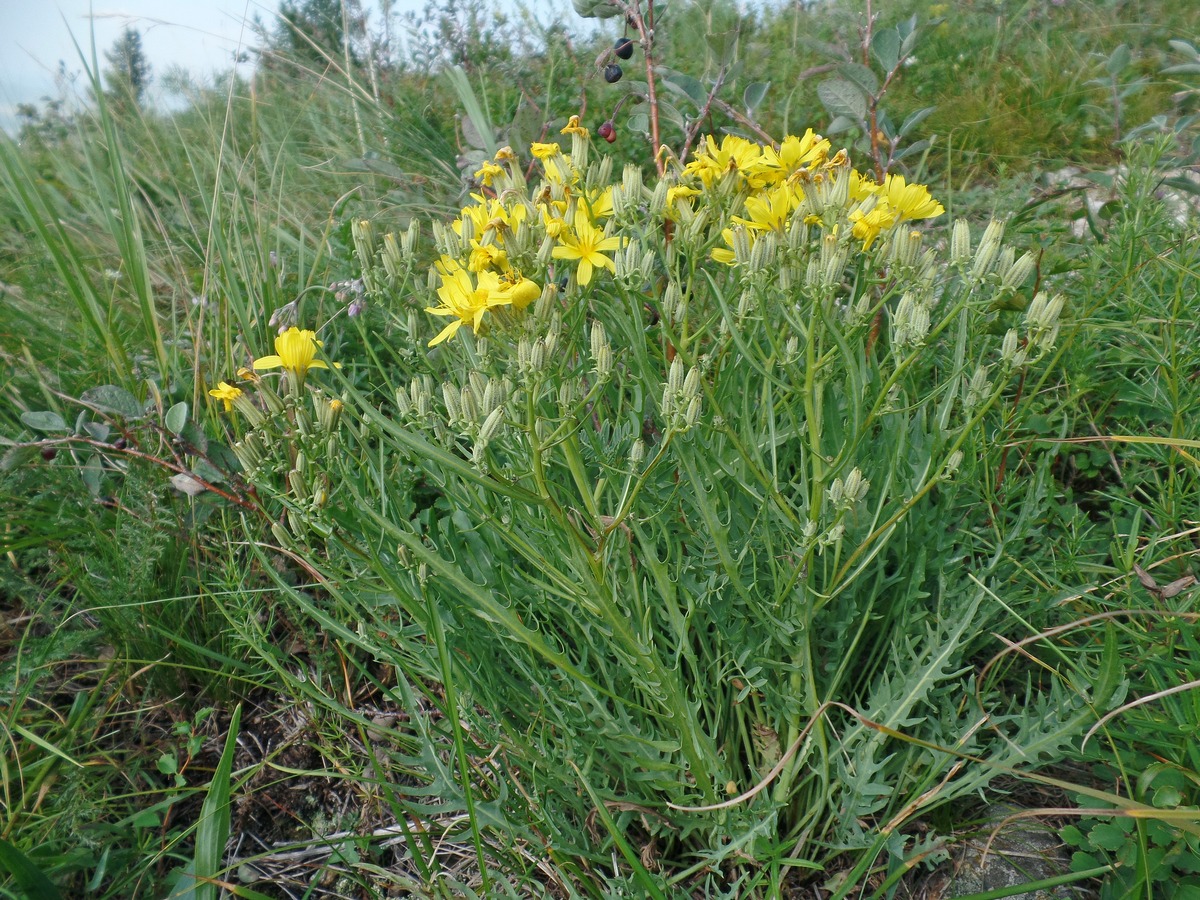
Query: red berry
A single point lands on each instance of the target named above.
(612, 73)
(607, 131)
(48, 453)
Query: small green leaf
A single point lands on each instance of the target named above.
(1119, 61)
(843, 98)
(96, 430)
(91, 473)
(176, 417)
(885, 47)
(862, 76)
(1167, 797)
(110, 398)
(754, 94)
(146, 819)
(914, 119)
(685, 86)
(46, 420)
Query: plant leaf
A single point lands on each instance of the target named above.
(110, 398)
(754, 94)
(843, 98)
(176, 417)
(33, 881)
(885, 47)
(44, 420)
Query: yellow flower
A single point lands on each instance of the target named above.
(505, 153)
(227, 393)
(464, 300)
(867, 225)
(598, 204)
(735, 154)
(909, 201)
(573, 127)
(486, 256)
(518, 290)
(295, 351)
(544, 151)
(861, 186)
(556, 226)
(485, 173)
(771, 210)
(586, 243)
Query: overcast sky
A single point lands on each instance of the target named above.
(200, 35)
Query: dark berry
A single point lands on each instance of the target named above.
(48, 453)
(623, 47)
(607, 131)
(612, 73)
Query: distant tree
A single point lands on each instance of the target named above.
(312, 32)
(128, 72)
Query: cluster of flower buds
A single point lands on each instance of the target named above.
(681, 400)
(845, 494)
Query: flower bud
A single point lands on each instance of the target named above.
(960, 244)
(1010, 350)
(637, 454)
(453, 409)
(675, 376)
(1018, 273)
(989, 249)
(296, 482)
(392, 258)
(491, 425)
(363, 233)
(469, 404)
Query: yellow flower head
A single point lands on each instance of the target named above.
(463, 300)
(505, 153)
(770, 210)
(573, 127)
(544, 151)
(598, 204)
(295, 351)
(486, 256)
(518, 290)
(867, 225)
(735, 154)
(587, 244)
(485, 173)
(227, 393)
(910, 201)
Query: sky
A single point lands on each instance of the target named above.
(199, 35)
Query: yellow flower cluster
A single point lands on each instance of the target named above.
(512, 230)
(802, 178)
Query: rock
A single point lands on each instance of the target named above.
(1023, 851)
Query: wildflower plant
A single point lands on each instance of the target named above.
(682, 495)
